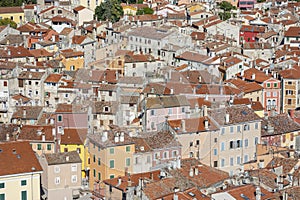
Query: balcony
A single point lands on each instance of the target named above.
(271, 107)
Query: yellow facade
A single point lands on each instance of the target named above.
(83, 154)
(116, 155)
(13, 187)
(129, 10)
(260, 113)
(195, 8)
(16, 17)
(73, 63)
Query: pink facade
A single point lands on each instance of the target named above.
(271, 95)
(246, 4)
(155, 117)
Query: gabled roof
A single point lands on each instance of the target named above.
(11, 10)
(19, 158)
(73, 136)
(166, 102)
(53, 78)
(62, 158)
(32, 112)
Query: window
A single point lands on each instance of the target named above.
(56, 169)
(49, 147)
(246, 127)
(23, 182)
(274, 94)
(39, 147)
(238, 129)
(59, 118)
(128, 149)
(174, 153)
(2, 185)
(99, 161)
(24, 195)
(222, 146)
(57, 180)
(197, 142)
(268, 94)
(231, 161)
(2, 196)
(127, 162)
(215, 152)
(222, 162)
(112, 176)
(231, 145)
(239, 143)
(246, 143)
(94, 173)
(74, 168)
(222, 131)
(152, 113)
(166, 155)
(231, 129)
(170, 111)
(256, 141)
(74, 178)
(289, 92)
(182, 110)
(256, 126)
(268, 85)
(99, 176)
(289, 101)
(111, 150)
(275, 85)
(191, 144)
(215, 140)
(238, 160)
(78, 150)
(112, 164)
(245, 158)
(215, 163)
(5, 83)
(148, 159)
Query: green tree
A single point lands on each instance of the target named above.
(7, 21)
(145, 11)
(7, 3)
(226, 6)
(110, 10)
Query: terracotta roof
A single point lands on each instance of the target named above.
(199, 102)
(166, 102)
(63, 19)
(166, 140)
(62, 158)
(10, 130)
(4, 10)
(237, 114)
(15, 52)
(53, 78)
(19, 158)
(189, 194)
(153, 176)
(146, 17)
(78, 8)
(260, 76)
(98, 107)
(293, 73)
(141, 145)
(28, 75)
(282, 124)
(73, 136)
(292, 32)
(138, 58)
(66, 31)
(69, 53)
(192, 125)
(249, 28)
(78, 39)
(148, 32)
(198, 35)
(255, 45)
(32, 112)
(243, 101)
(22, 98)
(287, 164)
(246, 87)
(192, 56)
(40, 53)
(96, 138)
(34, 133)
(69, 108)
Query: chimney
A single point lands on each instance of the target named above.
(119, 181)
(242, 72)
(52, 121)
(204, 111)
(227, 118)
(171, 91)
(257, 193)
(253, 76)
(43, 138)
(24, 112)
(183, 125)
(116, 138)
(53, 132)
(117, 75)
(67, 158)
(191, 172)
(196, 171)
(267, 72)
(104, 136)
(152, 90)
(178, 162)
(7, 137)
(206, 124)
(122, 137)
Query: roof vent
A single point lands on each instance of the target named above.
(67, 158)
